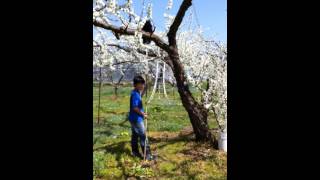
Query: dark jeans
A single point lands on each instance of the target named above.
(138, 135)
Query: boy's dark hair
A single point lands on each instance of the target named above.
(138, 79)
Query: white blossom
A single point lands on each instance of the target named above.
(149, 11)
(112, 6)
(207, 106)
(168, 21)
(169, 5)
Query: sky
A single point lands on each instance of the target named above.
(211, 15)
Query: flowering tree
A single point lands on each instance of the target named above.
(205, 61)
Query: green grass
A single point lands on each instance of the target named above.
(178, 158)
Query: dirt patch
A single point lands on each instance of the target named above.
(192, 149)
(198, 151)
(163, 136)
(187, 131)
(113, 97)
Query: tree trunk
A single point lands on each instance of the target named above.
(198, 114)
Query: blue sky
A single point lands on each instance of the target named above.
(211, 14)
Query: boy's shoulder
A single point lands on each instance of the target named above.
(134, 92)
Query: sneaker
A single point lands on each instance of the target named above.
(149, 157)
(137, 154)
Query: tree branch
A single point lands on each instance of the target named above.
(171, 49)
(132, 62)
(96, 44)
(127, 31)
(141, 51)
(177, 21)
(123, 75)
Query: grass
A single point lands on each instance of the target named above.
(179, 157)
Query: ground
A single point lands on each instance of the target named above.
(170, 135)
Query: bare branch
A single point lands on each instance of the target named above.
(122, 76)
(177, 21)
(123, 62)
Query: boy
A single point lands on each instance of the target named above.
(136, 117)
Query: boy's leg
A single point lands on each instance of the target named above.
(134, 140)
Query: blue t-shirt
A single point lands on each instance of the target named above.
(135, 101)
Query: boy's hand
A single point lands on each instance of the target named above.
(139, 112)
(145, 115)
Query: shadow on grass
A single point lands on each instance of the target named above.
(110, 124)
(107, 128)
(104, 128)
(118, 149)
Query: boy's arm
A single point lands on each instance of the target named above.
(135, 102)
(137, 110)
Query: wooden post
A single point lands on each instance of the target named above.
(164, 80)
(100, 83)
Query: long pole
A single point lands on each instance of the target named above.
(145, 141)
(147, 86)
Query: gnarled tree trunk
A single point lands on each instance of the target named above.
(198, 114)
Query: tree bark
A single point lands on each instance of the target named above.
(197, 113)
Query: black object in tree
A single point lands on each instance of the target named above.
(148, 27)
